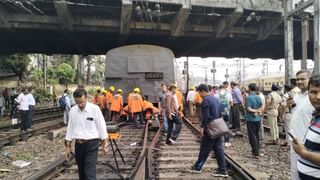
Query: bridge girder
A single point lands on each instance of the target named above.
(228, 22)
(178, 24)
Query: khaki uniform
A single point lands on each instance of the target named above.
(273, 103)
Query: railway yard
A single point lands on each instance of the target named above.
(145, 155)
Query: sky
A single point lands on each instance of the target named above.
(253, 68)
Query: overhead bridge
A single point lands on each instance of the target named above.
(228, 28)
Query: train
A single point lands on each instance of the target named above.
(265, 82)
(143, 66)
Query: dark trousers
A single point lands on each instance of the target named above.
(30, 115)
(7, 102)
(24, 120)
(207, 145)
(86, 158)
(253, 135)
(235, 110)
(175, 134)
(226, 136)
(115, 115)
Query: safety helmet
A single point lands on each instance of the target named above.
(192, 88)
(119, 90)
(104, 91)
(111, 88)
(136, 90)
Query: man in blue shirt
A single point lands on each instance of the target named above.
(253, 111)
(210, 109)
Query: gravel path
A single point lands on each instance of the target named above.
(275, 160)
(38, 150)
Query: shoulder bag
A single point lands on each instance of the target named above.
(216, 128)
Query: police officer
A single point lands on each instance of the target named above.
(87, 127)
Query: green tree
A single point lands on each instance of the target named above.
(65, 73)
(38, 76)
(52, 75)
(18, 63)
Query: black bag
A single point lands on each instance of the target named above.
(217, 128)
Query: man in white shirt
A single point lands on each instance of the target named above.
(23, 102)
(87, 127)
(301, 114)
(32, 103)
(190, 100)
(263, 102)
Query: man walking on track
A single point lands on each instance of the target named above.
(210, 111)
(162, 105)
(172, 115)
(87, 127)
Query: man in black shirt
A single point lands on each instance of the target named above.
(210, 109)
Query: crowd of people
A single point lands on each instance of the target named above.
(296, 105)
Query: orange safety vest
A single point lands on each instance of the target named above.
(109, 98)
(135, 103)
(117, 103)
(180, 99)
(98, 100)
(197, 98)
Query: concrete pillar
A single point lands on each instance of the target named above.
(288, 38)
(305, 39)
(316, 36)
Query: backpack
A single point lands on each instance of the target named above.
(223, 100)
(63, 102)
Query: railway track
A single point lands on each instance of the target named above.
(40, 115)
(170, 162)
(147, 157)
(133, 146)
(45, 122)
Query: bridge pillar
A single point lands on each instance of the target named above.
(126, 14)
(316, 36)
(288, 38)
(177, 25)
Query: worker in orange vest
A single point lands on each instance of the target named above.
(135, 104)
(109, 97)
(98, 99)
(198, 102)
(116, 105)
(180, 102)
(149, 110)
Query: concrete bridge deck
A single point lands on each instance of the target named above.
(229, 28)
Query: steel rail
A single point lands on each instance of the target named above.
(241, 171)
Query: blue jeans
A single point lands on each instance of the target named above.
(173, 132)
(208, 144)
(165, 120)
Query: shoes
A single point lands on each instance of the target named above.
(168, 142)
(272, 143)
(193, 169)
(172, 141)
(220, 174)
(227, 144)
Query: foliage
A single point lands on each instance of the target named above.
(38, 76)
(67, 59)
(65, 73)
(52, 75)
(18, 63)
(42, 95)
